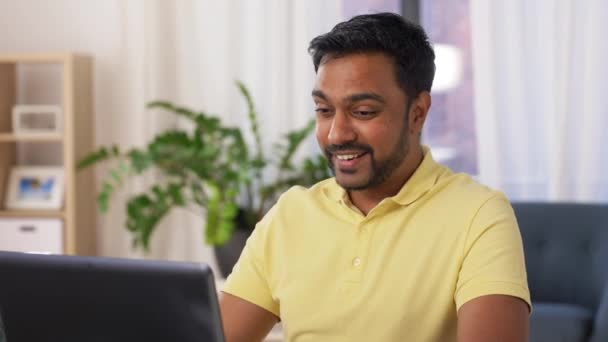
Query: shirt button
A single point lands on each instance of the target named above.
(356, 262)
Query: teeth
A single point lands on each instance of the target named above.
(347, 156)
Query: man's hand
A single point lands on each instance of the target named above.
(493, 318)
(244, 321)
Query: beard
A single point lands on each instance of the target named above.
(380, 170)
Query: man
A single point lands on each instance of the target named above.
(395, 247)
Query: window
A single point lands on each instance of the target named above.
(450, 127)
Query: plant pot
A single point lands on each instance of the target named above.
(228, 254)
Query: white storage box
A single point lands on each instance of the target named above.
(31, 235)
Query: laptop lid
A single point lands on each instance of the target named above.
(67, 298)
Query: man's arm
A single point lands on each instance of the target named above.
(244, 321)
(493, 318)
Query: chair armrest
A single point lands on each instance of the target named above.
(600, 323)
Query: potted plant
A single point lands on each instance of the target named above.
(211, 169)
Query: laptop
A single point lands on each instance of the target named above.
(68, 298)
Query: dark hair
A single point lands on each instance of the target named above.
(389, 33)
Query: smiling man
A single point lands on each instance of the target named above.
(395, 247)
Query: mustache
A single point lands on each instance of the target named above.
(331, 149)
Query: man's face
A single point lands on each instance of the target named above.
(362, 119)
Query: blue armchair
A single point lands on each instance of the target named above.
(566, 247)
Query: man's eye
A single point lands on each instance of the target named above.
(364, 113)
(322, 111)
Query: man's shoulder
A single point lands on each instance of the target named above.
(462, 203)
(463, 189)
(296, 194)
(296, 208)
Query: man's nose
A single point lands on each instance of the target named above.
(341, 130)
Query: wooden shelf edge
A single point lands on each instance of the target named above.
(14, 213)
(53, 57)
(40, 137)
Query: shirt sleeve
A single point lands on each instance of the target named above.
(249, 279)
(493, 255)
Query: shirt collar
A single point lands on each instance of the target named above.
(421, 181)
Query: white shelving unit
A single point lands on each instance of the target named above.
(73, 89)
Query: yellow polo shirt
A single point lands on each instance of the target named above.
(398, 274)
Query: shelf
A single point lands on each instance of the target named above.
(13, 213)
(57, 57)
(65, 79)
(45, 137)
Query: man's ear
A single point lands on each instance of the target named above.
(418, 112)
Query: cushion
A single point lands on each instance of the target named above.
(553, 322)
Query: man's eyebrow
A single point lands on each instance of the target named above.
(352, 98)
(365, 96)
(318, 93)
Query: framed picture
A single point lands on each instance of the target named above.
(32, 119)
(35, 188)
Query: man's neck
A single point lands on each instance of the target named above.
(366, 200)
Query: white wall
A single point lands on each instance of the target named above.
(68, 25)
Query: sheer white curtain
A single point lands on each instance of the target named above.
(540, 91)
(190, 52)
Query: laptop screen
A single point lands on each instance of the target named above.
(67, 298)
